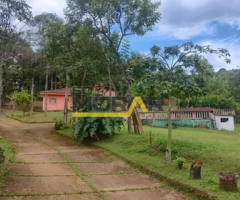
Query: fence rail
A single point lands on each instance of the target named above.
(224, 112)
(163, 115)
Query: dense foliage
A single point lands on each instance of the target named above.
(220, 90)
(89, 47)
(11, 13)
(96, 126)
(23, 100)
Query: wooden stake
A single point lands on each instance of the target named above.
(139, 122)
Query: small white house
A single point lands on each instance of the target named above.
(224, 122)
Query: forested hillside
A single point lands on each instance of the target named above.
(219, 90)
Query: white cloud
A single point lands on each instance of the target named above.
(232, 45)
(49, 6)
(184, 32)
(40, 6)
(183, 19)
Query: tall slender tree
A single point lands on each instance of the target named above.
(10, 12)
(175, 82)
(43, 23)
(115, 20)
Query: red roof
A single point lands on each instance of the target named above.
(202, 109)
(57, 91)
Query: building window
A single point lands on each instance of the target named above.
(52, 100)
(224, 119)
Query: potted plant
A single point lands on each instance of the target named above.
(180, 160)
(195, 169)
(228, 180)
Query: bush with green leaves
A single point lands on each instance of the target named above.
(70, 120)
(23, 100)
(58, 125)
(180, 160)
(96, 126)
(223, 101)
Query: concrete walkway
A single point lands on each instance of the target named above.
(49, 167)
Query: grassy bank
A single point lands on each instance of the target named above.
(8, 150)
(36, 117)
(218, 150)
(8, 153)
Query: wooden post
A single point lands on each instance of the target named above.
(135, 125)
(139, 123)
(65, 117)
(1, 85)
(169, 144)
(46, 96)
(55, 81)
(194, 115)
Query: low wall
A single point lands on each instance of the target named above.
(37, 106)
(178, 123)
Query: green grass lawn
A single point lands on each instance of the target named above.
(37, 116)
(8, 150)
(218, 150)
(8, 153)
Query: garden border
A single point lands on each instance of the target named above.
(46, 122)
(173, 182)
(197, 192)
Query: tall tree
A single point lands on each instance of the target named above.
(172, 77)
(10, 12)
(77, 51)
(202, 70)
(115, 20)
(235, 82)
(43, 23)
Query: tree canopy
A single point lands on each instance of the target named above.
(11, 11)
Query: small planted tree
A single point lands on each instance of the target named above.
(172, 77)
(12, 104)
(23, 100)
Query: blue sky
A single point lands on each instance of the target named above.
(214, 22)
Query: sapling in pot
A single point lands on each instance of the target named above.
(180, 161)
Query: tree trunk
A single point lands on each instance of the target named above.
(113, 85)
(46, 96)
(52, 81)
(12, 106)
(65, 116)
(169, 144)
(129, 93)
(128, 87)
(109, 82)
(55, 81)
(129, 120)
(1, 86)
(82, 84)
(32, 87)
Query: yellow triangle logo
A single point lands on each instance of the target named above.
(136, 100)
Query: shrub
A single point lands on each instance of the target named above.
(58, 125)
(70, 120)
(95, 126)
(23, 100)
(180, 160)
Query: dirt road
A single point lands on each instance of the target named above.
(48, 167)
